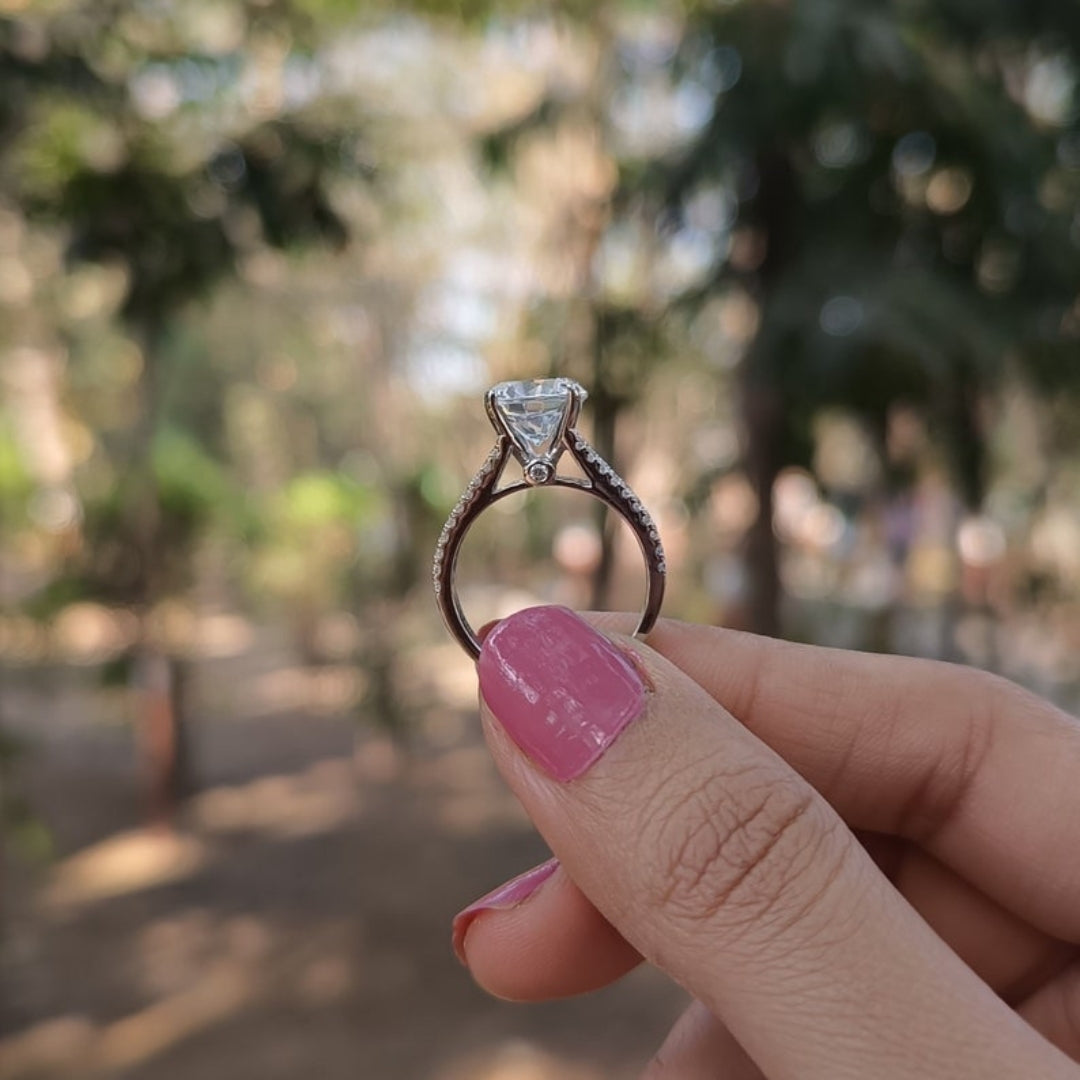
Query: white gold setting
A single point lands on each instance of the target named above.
(534, 423)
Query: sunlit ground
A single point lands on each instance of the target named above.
(297, 921)
(297, 924)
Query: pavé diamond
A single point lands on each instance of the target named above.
(534, 410)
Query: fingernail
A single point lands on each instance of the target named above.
(561, 690)
(504, 897)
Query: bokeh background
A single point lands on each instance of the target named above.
(818, 263)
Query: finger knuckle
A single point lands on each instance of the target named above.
(966, 741)
(731, 847)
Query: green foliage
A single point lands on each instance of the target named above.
(174, 227)
(62, 139)
(16, 485)
(312, 553)
(164, 196)
(192, 488)
(908, 177)
(125, 134)
(64, 588)
(317, 499)
(891, 188)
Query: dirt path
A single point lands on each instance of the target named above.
(298, 925)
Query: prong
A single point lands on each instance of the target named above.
(570, 417)
(493, 413)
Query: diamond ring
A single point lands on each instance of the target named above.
(534, 422)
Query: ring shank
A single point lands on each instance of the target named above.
(601, 483)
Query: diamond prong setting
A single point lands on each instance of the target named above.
(536, 422)
(535, 414)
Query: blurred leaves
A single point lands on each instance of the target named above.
(129, 137)
(16, 484)
(176, 196)
(273, 246)
(317, 499)
(192, 486)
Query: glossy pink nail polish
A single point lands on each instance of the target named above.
(504, 897)
(561, 690)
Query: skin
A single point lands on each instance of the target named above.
(859, 866)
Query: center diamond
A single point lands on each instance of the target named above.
(534, 411)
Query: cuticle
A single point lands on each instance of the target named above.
(639, 667)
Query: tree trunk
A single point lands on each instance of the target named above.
(764, 418)
(161, 732)
(158, 719)
(961, 413)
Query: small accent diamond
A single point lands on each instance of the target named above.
(539, 472)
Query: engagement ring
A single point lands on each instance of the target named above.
(534, 421)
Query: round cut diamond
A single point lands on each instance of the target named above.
(534, 410)
(539, 472)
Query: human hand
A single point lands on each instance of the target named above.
(859, 866)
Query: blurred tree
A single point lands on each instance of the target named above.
(159, 142)
(908, 187)
(892, 191)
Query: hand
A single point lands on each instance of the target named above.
(859, 866)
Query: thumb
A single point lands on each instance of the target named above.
(722, 866)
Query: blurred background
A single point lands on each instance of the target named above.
(818, 264)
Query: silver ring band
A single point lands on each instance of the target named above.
(534, 422)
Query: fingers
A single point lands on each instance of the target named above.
(1003, 949)
(701, 1048)
(720, 864)
(562, 946)
(537, 938)
(1054, 1010)
(929, 751)
(1008, 954)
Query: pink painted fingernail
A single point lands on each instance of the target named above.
(561, 690)
(506, 896)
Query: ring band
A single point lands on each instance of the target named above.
(535, 422)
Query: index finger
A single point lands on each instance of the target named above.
(978, 772)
